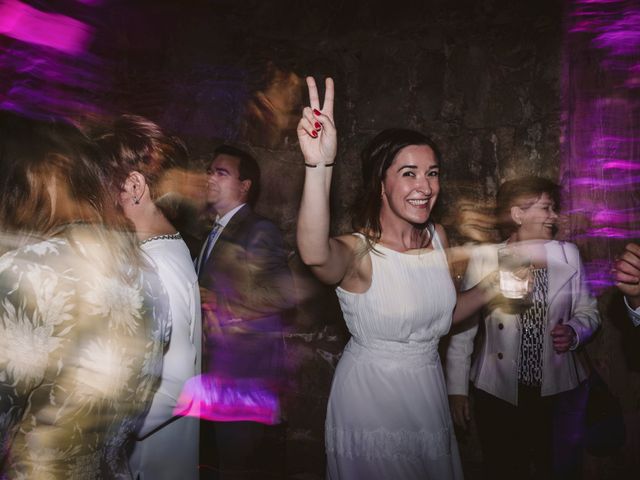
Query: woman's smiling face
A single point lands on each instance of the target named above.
(411, 184)
(537, 221)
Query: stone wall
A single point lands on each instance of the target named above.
(482, 77)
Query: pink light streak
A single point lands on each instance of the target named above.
(614, 184)
(627, 165)
(608, 216)
(27, 24)
(612, 232)
(598, 2)
(229, 400)
(601, 164)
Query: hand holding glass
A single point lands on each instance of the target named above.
(515, 273)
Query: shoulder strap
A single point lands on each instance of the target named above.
(437, 244)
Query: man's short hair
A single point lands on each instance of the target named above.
(248, 169)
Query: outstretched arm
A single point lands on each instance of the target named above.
(473, 299)
(328, 258)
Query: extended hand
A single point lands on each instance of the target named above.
(627, 274)
(208, 299)
(459, 405)
(490, 286)
(563, 338)
(316, 129)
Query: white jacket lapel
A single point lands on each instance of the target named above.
(558, 269)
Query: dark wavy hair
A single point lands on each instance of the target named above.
(376, 158)
(135, 143)
(522, 192)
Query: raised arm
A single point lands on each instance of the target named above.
(328, 258)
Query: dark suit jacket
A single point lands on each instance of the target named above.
(248, 274)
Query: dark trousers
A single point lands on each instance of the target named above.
(540, 438)
(241, 451)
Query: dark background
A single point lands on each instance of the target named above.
(487, 79)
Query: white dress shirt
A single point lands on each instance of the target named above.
(634, 315)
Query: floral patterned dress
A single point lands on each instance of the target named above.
(80, 356)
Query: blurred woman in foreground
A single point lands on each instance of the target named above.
(83, 320)
(139, 155)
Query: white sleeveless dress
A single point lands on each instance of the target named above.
(388, 415)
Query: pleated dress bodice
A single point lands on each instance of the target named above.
(408, 305)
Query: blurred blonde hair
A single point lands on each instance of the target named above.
(52, 178)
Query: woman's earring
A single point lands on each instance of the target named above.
(136, 201)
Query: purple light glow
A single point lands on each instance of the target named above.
(628, 165)
(612, 232)
(601, 150)
(25, 23)
(46, 68)
(607, 216)
(622, 37)
(229, 400)
(615, 184)
(611, 140)
(598, 2)
(599, 274)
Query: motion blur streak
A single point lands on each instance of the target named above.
(46, 65)
(601, 108)
(27, 24)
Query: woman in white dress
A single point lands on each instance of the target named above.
(388, 416)
(139, 154)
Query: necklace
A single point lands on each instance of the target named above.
(168, 236)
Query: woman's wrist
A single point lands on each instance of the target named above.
(311, 165)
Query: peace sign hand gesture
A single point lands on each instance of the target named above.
(316, 129)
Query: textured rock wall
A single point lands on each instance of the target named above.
(481, 77)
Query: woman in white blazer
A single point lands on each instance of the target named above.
(528, 400)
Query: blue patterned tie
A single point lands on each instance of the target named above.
(211, 241)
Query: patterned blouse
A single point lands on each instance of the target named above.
(532, 328)
(80, 354)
